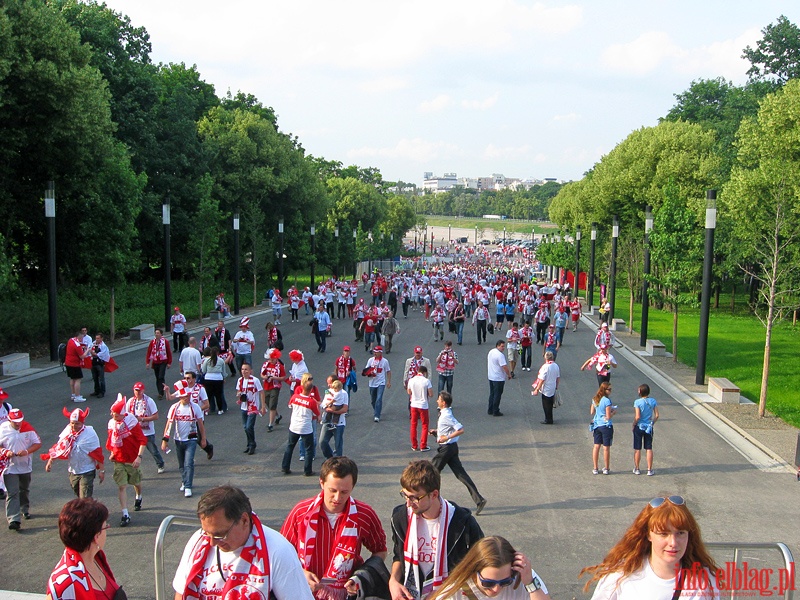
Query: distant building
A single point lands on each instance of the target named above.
(442, 183)
(497, 181)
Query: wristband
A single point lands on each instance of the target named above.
(165, 439)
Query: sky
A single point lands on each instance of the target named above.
(472, 87)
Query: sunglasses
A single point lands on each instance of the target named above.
(676, 500)
(491, 583)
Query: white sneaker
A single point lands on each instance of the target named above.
(651, 472)
(302, 458)
(161, 470)
(187, 493)
(637, 472)
(182, 487)
(220, 412)
(79, 399)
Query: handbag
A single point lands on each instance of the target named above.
(557, 399)
(490, 328)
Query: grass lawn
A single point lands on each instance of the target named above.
(512, 227)
(735, 351)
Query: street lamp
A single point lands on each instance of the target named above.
(236, 263)
(591, 264)
(336, 236)
(313, 250)
(705, 297)
(504, 235)
(476, 236)
(355, 250)
(648, 227)
(280, 255)
(52, 302)
(369, 263)
(577, 259)
(612, 284)
(449, 236)
(165, 220)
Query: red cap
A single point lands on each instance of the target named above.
(346, 349)
(378, 349)
(15, 415)
(418, 349)
(138, 386)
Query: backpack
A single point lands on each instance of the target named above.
(62, 355)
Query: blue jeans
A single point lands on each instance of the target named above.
(337, 433)
(185, 451)
(495, 393)
(249, 424)
(369, 338)
(460, 331)
(553, 350)
(308, 444)
(152, 448)
(560, 334)
(314, 438)
(445, 381)
(241, 359)
(376, 399)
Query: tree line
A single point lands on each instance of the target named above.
(83, 105)
(744, 142)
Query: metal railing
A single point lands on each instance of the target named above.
(742, 580)
(158, 553)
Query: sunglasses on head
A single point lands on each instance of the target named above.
(490, 583)
(676, 500)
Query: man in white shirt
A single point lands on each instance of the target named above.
(547, 382)
(234, 555)
(79, 445)
(380, 377)
(178, 325)
(419, 390)
(190, 357)
(145, 409)
(18, 441)
(497, 368)
(243, 344)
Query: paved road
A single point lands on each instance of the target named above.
(538, 481)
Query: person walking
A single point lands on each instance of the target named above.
(79, 445)
(273, 376)
(419, 390)
(321, 328)
(379, 373)
(602, 412)
(189, 431)
(526, 345)
(250, 399)
(446, 367)
(390, 329)
(18, 441)
(498, 373)
(512, 345)
(646, 415)
(126, 442)
(305, 410)
(214, 371)
(243, 344)
(177, 324)
(144, 408)
(547, 383)
(603, 362)
(334, 415)
(159, 358)
(481, 318)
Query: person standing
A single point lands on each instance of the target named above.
(542, 320)
(329, 530)
(243, 344)
(512, 345)
(552, 343)
(459, 318)
(334, 405)
(144, 408)
(18, 441)
(498, 373)
(390, 329)
(547, 383)
(526, 345)
(234, 551)
(189, 431)
(481, 317)
(575, 312)
(250, 399)
(190, 357)
(420, 561)
(446, 367)
(322, 327)
(276, 301)
(419, 390)
(73, 364)
(602, 412)
(214, 371)
(178, 326)
(126, 442)
(305, 409)
(79, 445)
(646, 415)
(223, 338)
(159, 358)
(345, 370)
(100, 356)
(603, 337)
(448, 431)
(413, 364)
(380, 377)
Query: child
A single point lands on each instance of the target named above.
(646, 415)
(334, 398)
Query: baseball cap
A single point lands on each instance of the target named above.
(15, 415)
(418, 349)
(138, 386)
(378, 349)
(346, 349)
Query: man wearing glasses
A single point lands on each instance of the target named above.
(419, 564)
(328, 531)
(234, 555)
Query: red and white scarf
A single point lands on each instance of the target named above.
(253, 562)
(70, 578)
(66, 442)
(248, 387)
(119, 430)
(411, 550)
(159, 350)
(345, 541)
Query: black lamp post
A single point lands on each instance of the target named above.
(648, 227)
(612, 283)
(705, 298)
(165, 220)
(449, 235)
(355, 251)
(280, 255)
(313, 250)
(336, 236)
(577, 259)
(236, 263)
(504, 235)
(591, 264)
(369, 263)
(52, 301)
(476, 236)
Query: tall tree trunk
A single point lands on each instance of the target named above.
(112, 320)
(716, 297)
(733, 298)
(675, 332)
(255, 287)
(630, 315)
(200, 300)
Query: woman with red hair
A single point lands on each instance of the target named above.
(661, 556)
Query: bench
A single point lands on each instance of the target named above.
(656, 348)
(14, 363)
(216, 315)
(618, 325)
(723, 390)
(147, 331)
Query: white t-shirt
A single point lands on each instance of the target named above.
(644, 583)
(185, 417)
(496, 360)
(337, 400)
(287, 580)
(190, 359)
(381, 368)
(428, 543)
(146, 407)
(419, 386)
(17, 440)
(79, 460)
(549, 374)
(243, 342)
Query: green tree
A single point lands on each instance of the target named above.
(762, 200)
(204, 243)
(776, 57)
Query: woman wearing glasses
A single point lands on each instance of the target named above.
(660, 557)
(82, 526)
(493, 569)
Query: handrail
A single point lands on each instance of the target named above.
(786, 576)
(158, 553)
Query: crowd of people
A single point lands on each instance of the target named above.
(233, 549)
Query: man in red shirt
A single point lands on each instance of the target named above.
(329, 529)
(126, 442)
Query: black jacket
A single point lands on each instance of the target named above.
(463, 532)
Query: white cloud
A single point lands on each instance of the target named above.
(723, 58)
(567, 118)
(484, 104)
(436, 104)
(416, 149)
(643, 55)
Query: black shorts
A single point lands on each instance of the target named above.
(642, 438)
(603, 435)
(74, 372)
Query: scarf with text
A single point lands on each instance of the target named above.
(70, 579)
(119, 430)
(412, 577)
